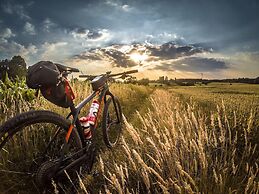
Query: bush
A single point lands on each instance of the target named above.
(15, 96)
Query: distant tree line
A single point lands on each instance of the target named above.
(14, 68)
(239, 80)
(164, 80)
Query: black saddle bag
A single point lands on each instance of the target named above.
(42, 74)
(45, 76)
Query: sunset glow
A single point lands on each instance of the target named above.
(138, 58)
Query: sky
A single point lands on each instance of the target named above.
(175, 38)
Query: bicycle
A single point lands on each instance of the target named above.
(42, 151)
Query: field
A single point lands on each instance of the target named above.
(238, 97)
(199, 139)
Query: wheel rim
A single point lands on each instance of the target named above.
(113, 125)
(24, 152)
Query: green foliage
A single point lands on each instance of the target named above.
(13, 91)
(16, 68)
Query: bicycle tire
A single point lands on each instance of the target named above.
(106, 128)
(16, 130)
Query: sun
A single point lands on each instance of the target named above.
(138, 57)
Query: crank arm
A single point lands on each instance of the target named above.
(71, 165)
(73, 155)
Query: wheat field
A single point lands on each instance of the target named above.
(179, 149)
(175, 140)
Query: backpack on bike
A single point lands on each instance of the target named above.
(46, 76)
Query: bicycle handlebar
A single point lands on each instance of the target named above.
(87, 76)
(109, 75)
(123, 73)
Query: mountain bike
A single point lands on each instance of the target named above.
(41, 151)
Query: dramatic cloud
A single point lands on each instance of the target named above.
(85, 39)
(16, 9)
(47, 25)
(118, 58)
(119, 5)
(89, 56)
(172, 50)
(137, 54)
(51, 51)
(94, 35)
(29, 28)
(167, 35)
(194, 64)
(9, 47)
(111, 55)
(6, 34)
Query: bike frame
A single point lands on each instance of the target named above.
(102, 94)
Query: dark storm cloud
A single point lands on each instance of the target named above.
(87, 34)
(223, 23)
(118, 58)
(194, 64)
(162, 53)
(172, 50)
(112, 55)
(94, 34)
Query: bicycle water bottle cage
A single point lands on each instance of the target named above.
(98, 82)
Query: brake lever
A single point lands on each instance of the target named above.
(65, 74)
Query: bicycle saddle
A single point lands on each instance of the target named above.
(66, 68)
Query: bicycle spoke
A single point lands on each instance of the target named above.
(15, 172)
(13, 186)
(52, 139)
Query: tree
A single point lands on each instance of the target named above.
(16, 67)
(3, 69)
(144, 81)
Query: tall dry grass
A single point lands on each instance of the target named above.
(176, 147)
(180, 149)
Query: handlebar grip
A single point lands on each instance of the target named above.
(74, 69)
(131, 71)
(123, 73)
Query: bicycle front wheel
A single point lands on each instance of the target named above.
(29, 142)
(112, 122)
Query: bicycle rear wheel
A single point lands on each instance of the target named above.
(112, 122)
(29, 142)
